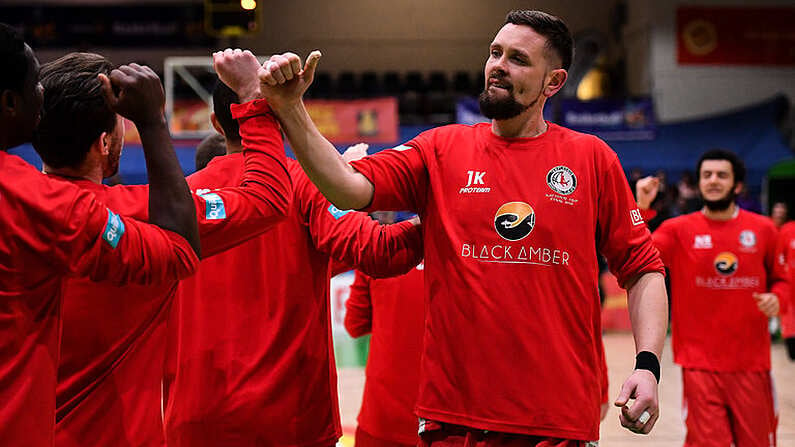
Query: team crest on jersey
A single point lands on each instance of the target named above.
(562, 180)
(726, 263)
(514, 220)
(747, 238)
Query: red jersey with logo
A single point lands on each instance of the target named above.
(510, 229)
(49, 229)
(114, 337)
(715, 268)
(392, 309)
(787, 258)
(250, 355)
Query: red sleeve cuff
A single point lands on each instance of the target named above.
(648, 214)
(251, 108)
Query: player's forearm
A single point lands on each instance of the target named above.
(170, 203)
(336, 180)
(648, 312)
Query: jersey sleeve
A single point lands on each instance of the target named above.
(95, 242)
(775, 263)
(359, 308)
(232, 215)
(624, 239)
(664, 238)
(354, 238)
(399, 176)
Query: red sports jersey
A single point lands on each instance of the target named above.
(787, 258)
(111, 368)
(49, 229)
(509, 227)
(251, 349)
(393, 310)
(715, 268)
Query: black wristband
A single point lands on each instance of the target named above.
(648, 361)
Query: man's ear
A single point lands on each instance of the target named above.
(738, 188)
(8, 102)
(555, 80)
(216, 124)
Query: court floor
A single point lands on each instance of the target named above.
(620, 348)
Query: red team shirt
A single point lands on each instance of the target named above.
(787, 254)
(509, 227)
(49, 229)
(114, 337)
(715, 267)
(251, 358)
(392, 309)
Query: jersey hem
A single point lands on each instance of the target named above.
(505, 427)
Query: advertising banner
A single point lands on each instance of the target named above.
(610, 119)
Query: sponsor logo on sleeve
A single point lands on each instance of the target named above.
(336, 212)
(402, 148)
(114, 229)
(635, 217)
(702, 241)
(214, 209)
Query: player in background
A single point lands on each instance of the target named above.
(512, 213)
(787, 257)
(725, 284)
(112, 354)
(392, 310)
(251, 358)
(50, 229)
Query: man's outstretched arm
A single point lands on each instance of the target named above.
(140, 98)
(284, 82)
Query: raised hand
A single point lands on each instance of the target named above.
(238, 70)
(644, 412)
(284, 81)
(646, 190)
(135, 92)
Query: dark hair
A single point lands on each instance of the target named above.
(210, 147)
(738, 167)
(223, 98)
(559, 38)
(74, 113)
(14, 60)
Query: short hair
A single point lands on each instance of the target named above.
(738, 167)
(75, 112)
(223, 98)
(559, 38)
(210, 147)
(14, 59)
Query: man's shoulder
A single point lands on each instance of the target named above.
(758, 220)
(683, 221)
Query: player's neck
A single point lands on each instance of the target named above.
(233, 148)
(727, 214)
(92, 174)
(521, 126)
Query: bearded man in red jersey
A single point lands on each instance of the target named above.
(725, 284)
(50, 230)
(513, 212)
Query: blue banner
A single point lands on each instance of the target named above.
(610, 119)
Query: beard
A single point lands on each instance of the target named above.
(501, 108)
(721, 204)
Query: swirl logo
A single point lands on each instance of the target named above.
(726, 263)
(514, 221)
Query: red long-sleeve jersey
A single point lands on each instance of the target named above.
(392, 309)
(114, 337)
(49, 229)
(511, 228)
(786, 254)
(715, 268)
(251, 351)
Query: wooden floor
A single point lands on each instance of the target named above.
(668, 432)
